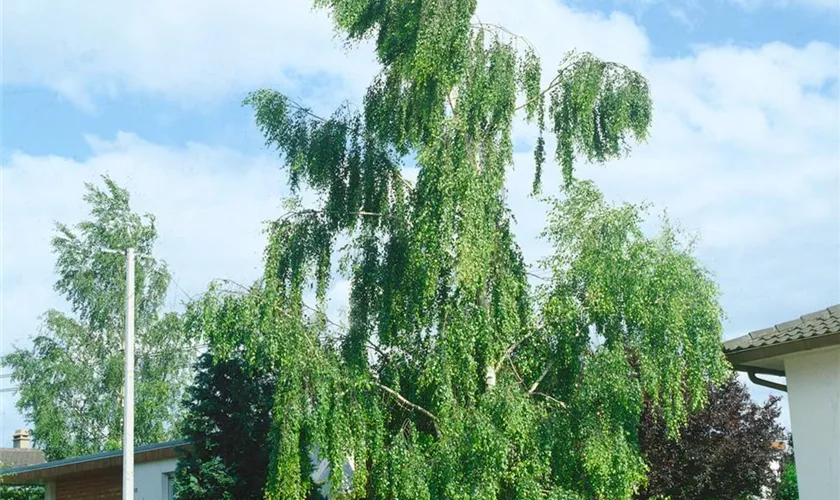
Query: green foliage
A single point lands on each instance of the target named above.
(71, 379)
(788, 487)
(21, 492)
(646, 299)
(595, 106)
(724, 450)
(228, 414)
(455, 378)
(13, 492)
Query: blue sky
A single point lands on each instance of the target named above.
(745, 148)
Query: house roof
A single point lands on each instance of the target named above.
(20, 457)
(39, 473)
(762, 350)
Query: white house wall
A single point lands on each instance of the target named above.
(150, 479)
(813, 380)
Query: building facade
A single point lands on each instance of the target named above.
(99, 476)
(806, 351)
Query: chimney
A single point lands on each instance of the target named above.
(21, 439)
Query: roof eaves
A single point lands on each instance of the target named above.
(90, 458)
(745, 357)
(816, 324)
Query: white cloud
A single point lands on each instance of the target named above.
(210, 204)
(743, 147)
(677, 8)
(554, 29)
(744, 144)
(190, 51)
(819, 4)
(193, 51)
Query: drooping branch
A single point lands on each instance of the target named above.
(553, 83)
(254, 100)
(515, 372)
(550, 398)
(244, 288)
(342, 327)
(513, 347)
(403, 401)
(498, 28)
(538, 276)
(536, 384)
(399, 397)
(568, 60)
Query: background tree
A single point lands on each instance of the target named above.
(724, 450)
(228, 416)
(788, 487)
(71, 379)
(455, 378)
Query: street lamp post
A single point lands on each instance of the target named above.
(128, 389)
(128, 400)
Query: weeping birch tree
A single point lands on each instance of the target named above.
(454, 378)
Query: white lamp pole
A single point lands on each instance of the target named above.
(128, 390)
(128, 399)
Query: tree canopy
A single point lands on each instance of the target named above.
(724, 450)
(71, 379)
(454, 377)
